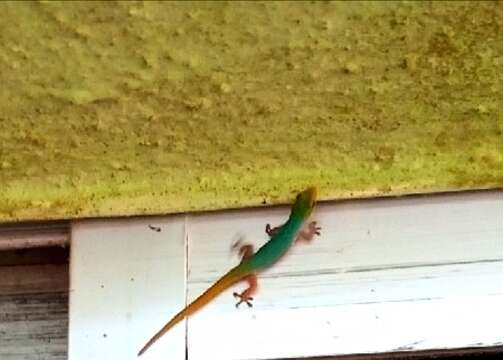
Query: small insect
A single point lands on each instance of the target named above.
(155, 228)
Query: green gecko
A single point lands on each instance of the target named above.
(281, 239)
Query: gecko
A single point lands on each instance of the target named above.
(281, 238)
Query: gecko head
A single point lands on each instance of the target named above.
(304, 202)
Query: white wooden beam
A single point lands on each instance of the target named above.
(386, 275)
(126, 278)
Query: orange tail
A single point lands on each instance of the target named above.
(216, 289)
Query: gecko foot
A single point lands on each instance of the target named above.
(243, 299)
(271, 231)
(309, 233)
(314, 229)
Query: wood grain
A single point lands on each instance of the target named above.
(33, 279)
(33, 305)
(34, 235)
(34, 327)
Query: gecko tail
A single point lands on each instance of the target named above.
(212, 292)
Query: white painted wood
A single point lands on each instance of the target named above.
(125, 281)
(386, 275)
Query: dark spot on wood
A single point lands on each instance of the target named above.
(154, 228)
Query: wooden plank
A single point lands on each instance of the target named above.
(35, 256)
(32, 235)
(126, 278)
(34, 326)
(386, 275)
(473, 353)
(33, 279)
(33, 305)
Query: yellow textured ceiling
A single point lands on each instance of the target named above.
(122, 108)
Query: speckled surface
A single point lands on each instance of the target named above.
(144, 108)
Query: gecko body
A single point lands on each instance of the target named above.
(281, 239)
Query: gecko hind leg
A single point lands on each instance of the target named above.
(245, 296)
(246, 251)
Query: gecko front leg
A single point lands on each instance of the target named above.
(246, 251)
(307, 234)
(271, 231)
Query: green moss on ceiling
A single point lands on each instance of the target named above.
(122, 108)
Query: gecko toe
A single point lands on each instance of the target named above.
(243, 299)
